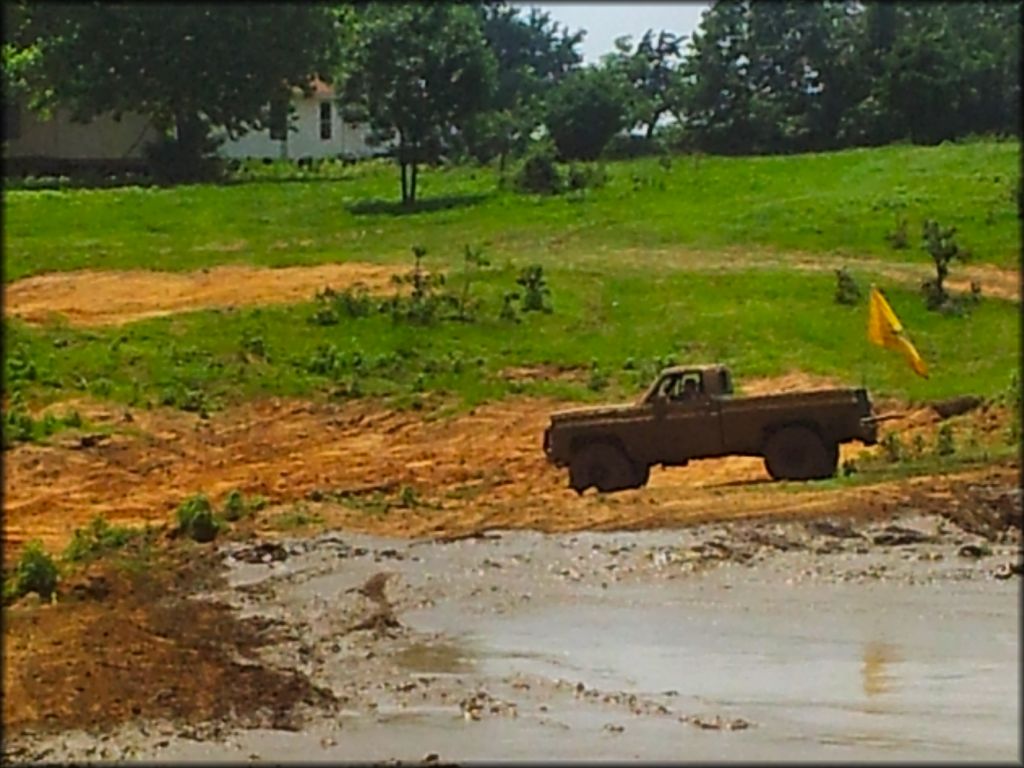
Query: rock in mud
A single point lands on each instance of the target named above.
(838, 530)
(716, 723)
(265, 552)
(1007, 570)
(974, 551)
(898, 536)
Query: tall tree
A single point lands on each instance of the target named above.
(716, 79)
(188, 66)
(651, 69)
(419, 72)
(533, 54)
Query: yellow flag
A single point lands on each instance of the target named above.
(885, 330)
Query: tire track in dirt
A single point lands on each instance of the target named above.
(477, 470)
(101, 298)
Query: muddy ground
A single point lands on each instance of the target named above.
(831, 638)
(350, 462)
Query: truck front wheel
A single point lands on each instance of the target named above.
(605, 466)
(799, 453)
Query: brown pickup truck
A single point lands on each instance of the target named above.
(690, 413)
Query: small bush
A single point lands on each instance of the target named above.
(35, 571)
(898, 237)
(508, 308)
(253, 346)
(598, 379)
(583, 176)
(847, 290)
(96, 539)
(196, 520)
(539, 173)
(945, 445)
(892, 448)
(424, 303)
(536, 294)
(942, 247)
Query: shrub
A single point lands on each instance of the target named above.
(473, 262)
(943, 248)
(598, 379)
(423, 304)
(892, 448)
(508, 308)
(196, 520)
(539, 173)
(586, 176)
(97, 538)
(34, 572)
(944, 442)
(535, 289)
(847, 290)
(898, 238)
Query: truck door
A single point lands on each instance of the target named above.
(689, 420)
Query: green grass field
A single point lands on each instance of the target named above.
(621, 309)
(843, 202)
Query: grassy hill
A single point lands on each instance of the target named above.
(842, 202)
(686, 263)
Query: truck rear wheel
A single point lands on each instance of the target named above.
(605, 466)
(799, 453)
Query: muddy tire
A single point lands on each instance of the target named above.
(799, 453)
(605, 466)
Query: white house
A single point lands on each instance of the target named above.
(31, 140)
(316, 130)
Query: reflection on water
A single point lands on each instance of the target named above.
(874, 676)
(435, 658)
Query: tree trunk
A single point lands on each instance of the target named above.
(405, 184)
(412, 185)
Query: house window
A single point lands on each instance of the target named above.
(325, 120)
(278, 120)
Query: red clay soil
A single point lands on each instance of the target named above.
(111, 298)
(482, 469)
(118, 647)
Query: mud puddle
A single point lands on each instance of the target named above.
(824, 639)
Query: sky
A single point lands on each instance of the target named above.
(606, 21)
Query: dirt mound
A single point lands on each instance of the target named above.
(375, 470)
(139, 648)
(794, 381)
(116, 297)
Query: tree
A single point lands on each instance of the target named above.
(187, 66)
(715, 79)
(585, 110)
(419, 73)
(651, 70)
(533, 54)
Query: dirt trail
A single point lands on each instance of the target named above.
(98, 298)
(112, 298)
(482, 469)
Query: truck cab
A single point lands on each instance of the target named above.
(682, 383)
